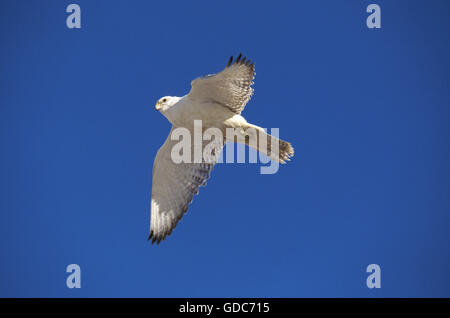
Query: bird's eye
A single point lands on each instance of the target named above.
(164, 100)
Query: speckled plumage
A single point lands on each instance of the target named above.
(217, 100)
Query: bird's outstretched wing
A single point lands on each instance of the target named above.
(174, 186)
(230, 88)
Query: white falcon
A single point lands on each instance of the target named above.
(217, 100)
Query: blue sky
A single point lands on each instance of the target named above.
(367, 112)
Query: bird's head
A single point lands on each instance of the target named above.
(165, 103)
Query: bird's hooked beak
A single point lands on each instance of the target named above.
(158, 106)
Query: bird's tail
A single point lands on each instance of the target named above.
(273, 147)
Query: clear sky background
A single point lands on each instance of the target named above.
(367, 112)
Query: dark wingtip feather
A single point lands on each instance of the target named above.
(156, 238)
(238, 58)
(230, 61)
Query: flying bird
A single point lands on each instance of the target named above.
(218, 101)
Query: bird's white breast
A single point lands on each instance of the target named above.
(183, 113)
